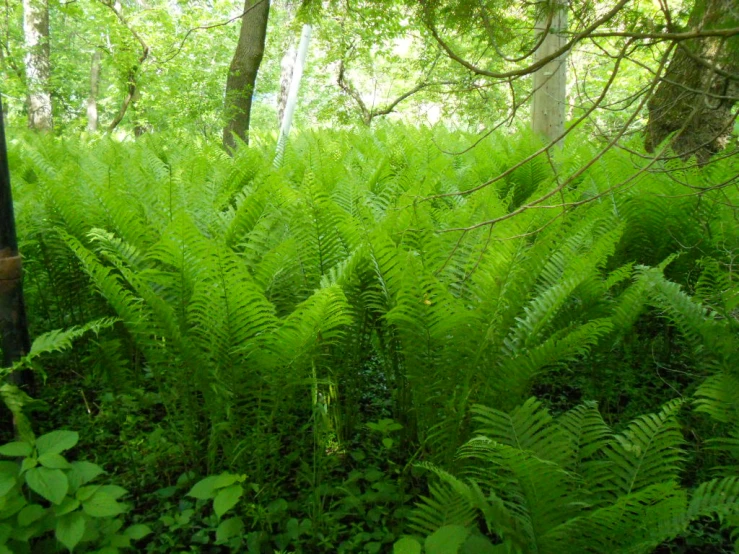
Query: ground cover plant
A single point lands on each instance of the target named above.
(369, 276)
(291, 359)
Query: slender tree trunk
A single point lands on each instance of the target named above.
(242, 74)
(549, 100)
(92, 101)
(699, 89)
(38, 66)
(287, 66)
(133, 73)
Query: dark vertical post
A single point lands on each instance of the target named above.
(13, 325)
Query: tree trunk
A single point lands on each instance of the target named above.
(699, 88)
(242, 75)
(15, 341)
(38, 66)
(133, 73)
(92, 101)
(287, 66)
(550, 82)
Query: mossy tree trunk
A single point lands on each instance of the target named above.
(242, 74)
(699, 88)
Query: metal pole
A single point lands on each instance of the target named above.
(13, 326)
(292, 95)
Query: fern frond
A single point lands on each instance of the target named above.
(528, 428)
(647, 453)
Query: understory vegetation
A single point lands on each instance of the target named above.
(332, 356)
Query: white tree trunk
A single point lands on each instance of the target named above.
(38, 66)
(92, 100)
(287, 66)
(549, 101)
(292, 95)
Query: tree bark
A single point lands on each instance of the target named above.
(92, 101)
(14, 339)
(133, 73)
(38, 66)
(549, 99)
(699, 88)
(287, 66)
(242, 74)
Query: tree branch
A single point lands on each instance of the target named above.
(369, 114)
(133, 72)
(210, 26)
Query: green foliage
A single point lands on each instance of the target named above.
(324, 326)
(43, 494)
(537, 491)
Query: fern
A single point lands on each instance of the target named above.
(526, 478)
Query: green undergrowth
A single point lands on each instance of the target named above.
(322, 337)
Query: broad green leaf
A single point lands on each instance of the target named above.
(16, 449)
(101, 504)
(5, 532)
(138, 531)
(9, 468)
(70, 529)
(407, 545)
(229, 528)
(69, 504)
(28, 463)
(278, 506)
(82, 473)
(52, 484)
(83, 493)
(87, 470)
(54, 461)
(205, 488)
(293, 528)
(120, 541)
(224, 480)
(26, 534)
(113, 490)
(11, 505)
(56, 442)
(227, 499)
(29, 514)
(108, 550)
(447, 540)
(7, 482)
(477, 544)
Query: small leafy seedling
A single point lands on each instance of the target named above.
(44, 492)
(224, 490)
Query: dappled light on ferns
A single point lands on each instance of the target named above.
(243, 291)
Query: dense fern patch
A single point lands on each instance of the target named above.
(324, 331)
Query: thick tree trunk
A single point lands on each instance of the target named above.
(14, 339)
(92, 101)
(699, 88)
(242, 74)
(38, 66)
(550, 82)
